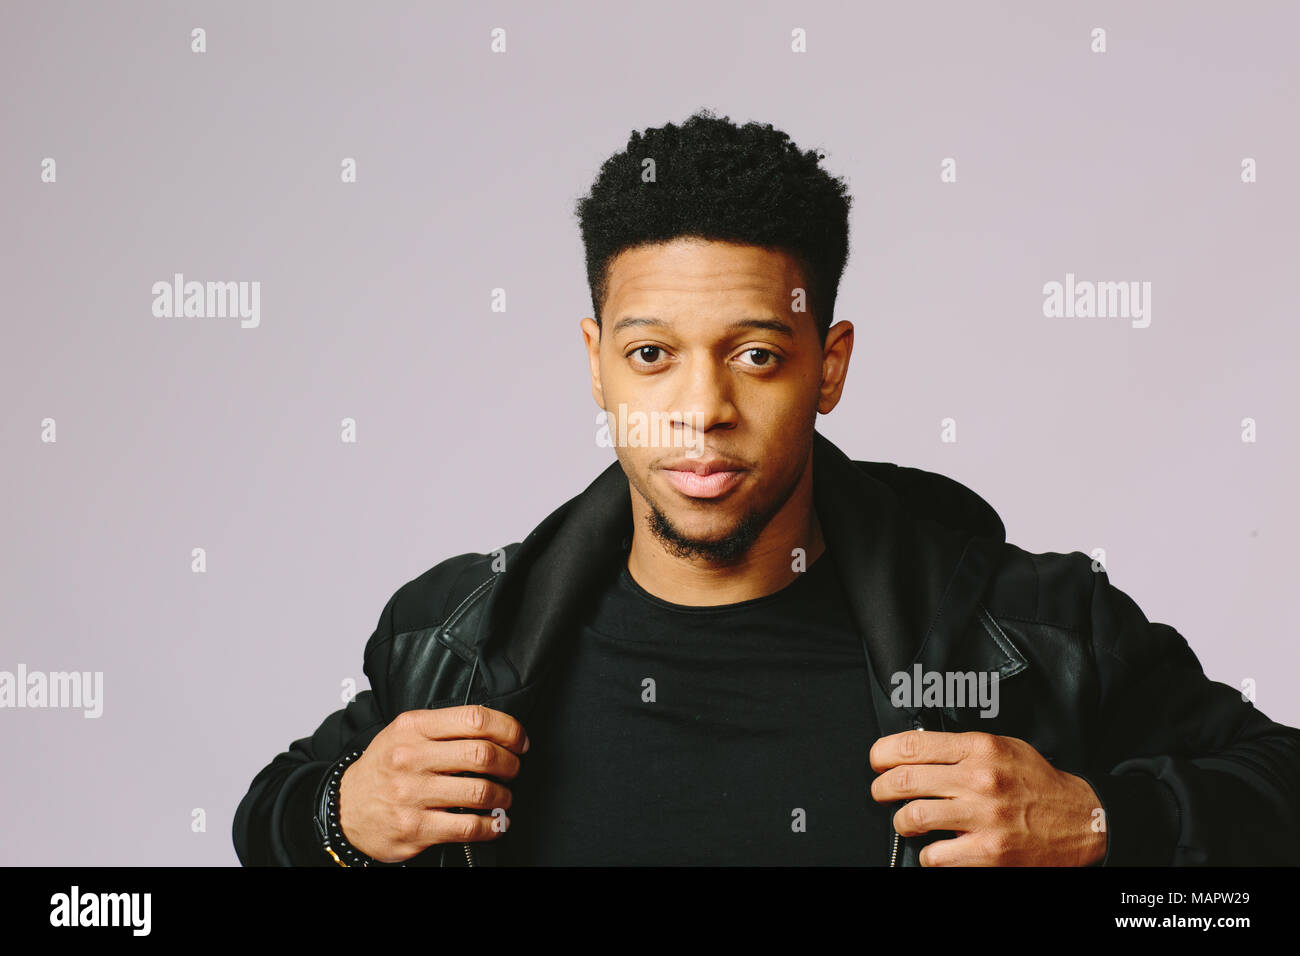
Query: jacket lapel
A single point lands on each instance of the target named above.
(912, 583)
(544, 591)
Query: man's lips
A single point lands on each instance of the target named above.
(703, 479)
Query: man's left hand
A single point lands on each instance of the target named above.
(1009, 806)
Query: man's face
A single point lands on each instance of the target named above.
(701, 343)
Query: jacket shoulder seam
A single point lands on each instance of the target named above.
(444, 629)
(470, 599)
(442, 620)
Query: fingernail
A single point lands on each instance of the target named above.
(527, 744)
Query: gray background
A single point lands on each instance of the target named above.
(473, 425)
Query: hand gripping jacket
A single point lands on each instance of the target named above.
(1187, 772)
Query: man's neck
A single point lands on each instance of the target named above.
(771, 563)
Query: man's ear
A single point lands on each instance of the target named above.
(591, 338)
(835, 365)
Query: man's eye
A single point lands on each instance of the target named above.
(641, 353)
(766, 358)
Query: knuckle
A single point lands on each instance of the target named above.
(986, 780)
(904, 779)
(393, 760)
(399, 756)
(465, 827)
(913, 815)
(998, 779)
(480, 792)
(405, 721)
(910, 744)
(478, 753)
(474, 717)
(406, 822)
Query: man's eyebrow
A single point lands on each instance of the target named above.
(771, 325)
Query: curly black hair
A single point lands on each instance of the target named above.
(715, 180)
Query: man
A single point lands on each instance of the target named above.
(737, 645)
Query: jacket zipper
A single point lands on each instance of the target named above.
(469, 688)
(893, 853)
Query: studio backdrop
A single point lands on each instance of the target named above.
(210, 498)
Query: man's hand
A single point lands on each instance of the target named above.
(393, 798)
(1009, 806)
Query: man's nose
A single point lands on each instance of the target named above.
(704, 400)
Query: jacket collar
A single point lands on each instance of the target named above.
(913, 580)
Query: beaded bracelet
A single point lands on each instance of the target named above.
(329, 826)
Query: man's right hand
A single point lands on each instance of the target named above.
(394, 798)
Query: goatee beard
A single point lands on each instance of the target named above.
(724, 550)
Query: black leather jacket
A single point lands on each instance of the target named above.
(1187, 772)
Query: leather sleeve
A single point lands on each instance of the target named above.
(1187, 771)
(273, 823)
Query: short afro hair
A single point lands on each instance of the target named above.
(715, 180)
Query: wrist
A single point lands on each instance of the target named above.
(329, 817)
(1092, 847)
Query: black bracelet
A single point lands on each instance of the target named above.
(329, 826)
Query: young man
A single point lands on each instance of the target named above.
(738, 646)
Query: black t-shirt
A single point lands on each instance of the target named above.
(729, 735)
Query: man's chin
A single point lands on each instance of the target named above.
(704, 530)
(710, 540)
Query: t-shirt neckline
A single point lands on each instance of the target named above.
(627, 581)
